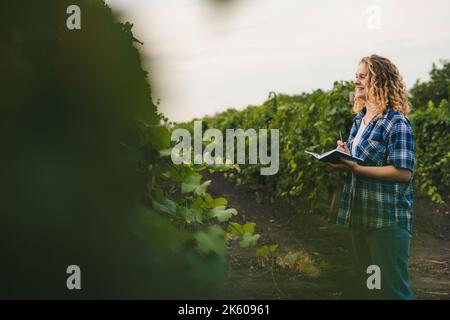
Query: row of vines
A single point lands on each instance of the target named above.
(313, 121)
(86, 177)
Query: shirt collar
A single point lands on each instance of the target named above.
(361, 114)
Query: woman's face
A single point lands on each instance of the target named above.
(361, 82)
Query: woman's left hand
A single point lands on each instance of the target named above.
(346, 166)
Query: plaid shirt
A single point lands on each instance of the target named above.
(368, 203)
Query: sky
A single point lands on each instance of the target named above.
(204, 57)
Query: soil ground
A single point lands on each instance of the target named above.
(324, 267)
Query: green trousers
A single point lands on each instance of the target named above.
(387, 248)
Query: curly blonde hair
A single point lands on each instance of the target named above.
(385, 86)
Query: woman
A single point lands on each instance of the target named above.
(376, 202)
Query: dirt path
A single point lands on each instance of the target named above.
(324, 269)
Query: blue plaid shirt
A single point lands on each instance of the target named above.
(368, 203)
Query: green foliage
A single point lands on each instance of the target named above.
(436, 89)
(312, 121)
(222, 214)
(245, 233)
(211, 240)
(306, 122)
(291, 257)
(237, 229)
(432, 141)
(266, 250)
(86, 178)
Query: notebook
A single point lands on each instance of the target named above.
(334, 155)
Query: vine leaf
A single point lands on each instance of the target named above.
(191, 182)
(265, 250)
(165, 205)
(211, 240)
(221, 213)
(192, 215)
(292, 257)
(201, 189)
(220, 202)
(239, 230)
(248, 240)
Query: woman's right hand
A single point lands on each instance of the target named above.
(341, 145)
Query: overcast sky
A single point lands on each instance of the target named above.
(204, 58)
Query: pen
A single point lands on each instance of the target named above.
(342, 140)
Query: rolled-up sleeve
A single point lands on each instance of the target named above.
(401, 146)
